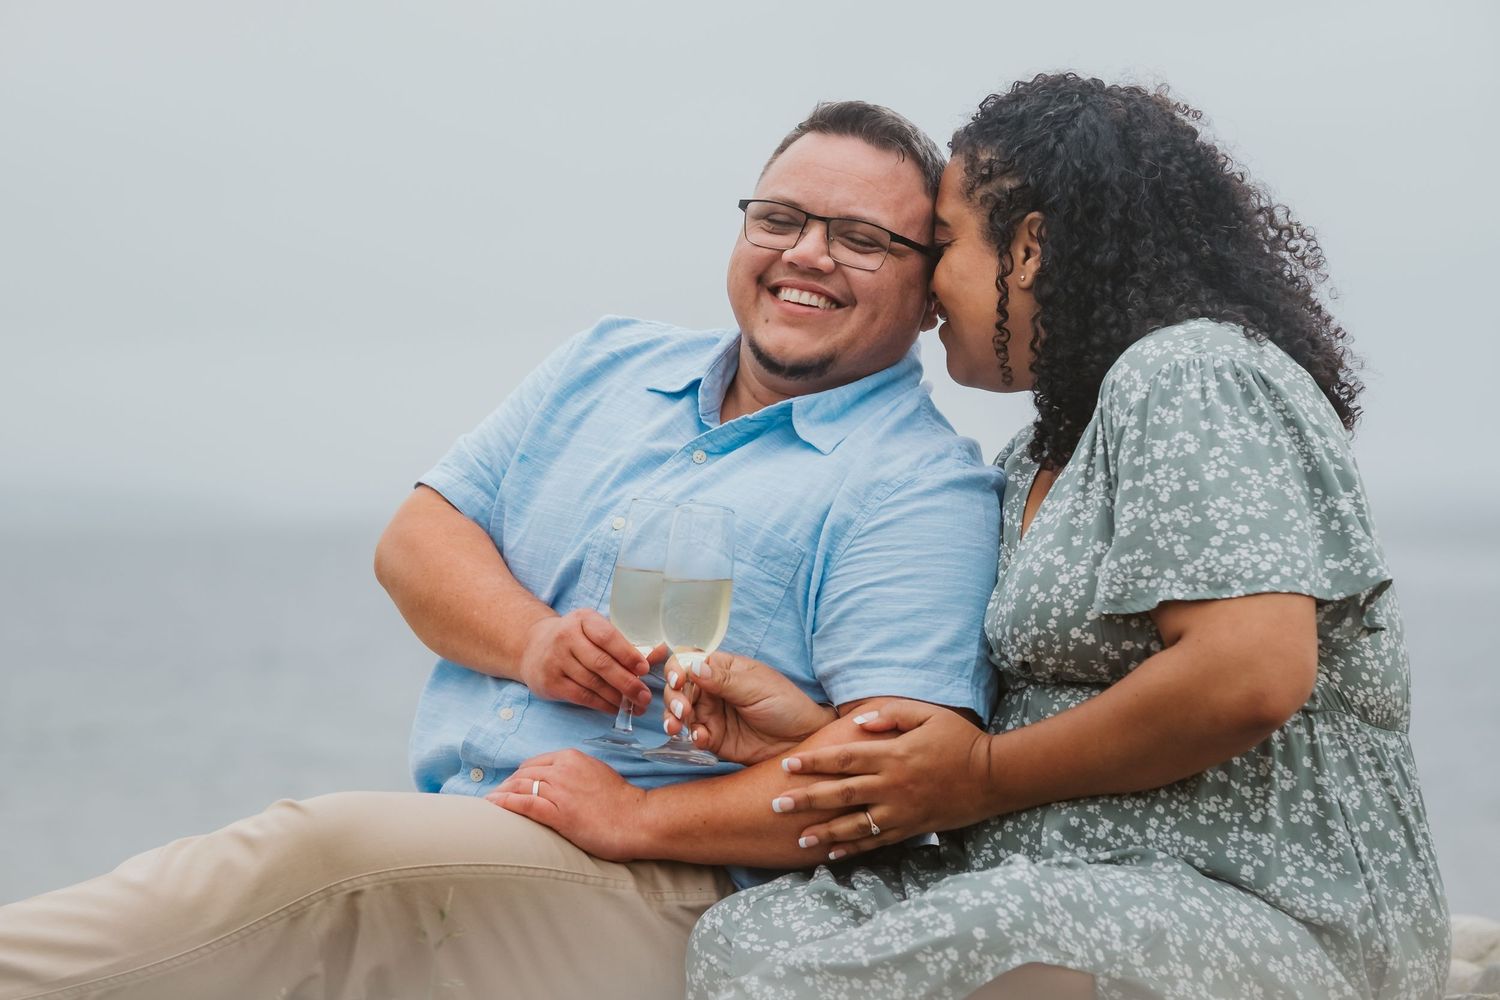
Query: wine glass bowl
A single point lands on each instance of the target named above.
(635, 596)
(696, 594)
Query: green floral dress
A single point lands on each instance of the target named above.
(1213, 467)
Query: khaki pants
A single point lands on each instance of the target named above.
(362, 895)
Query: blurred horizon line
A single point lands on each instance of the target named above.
(122, 512)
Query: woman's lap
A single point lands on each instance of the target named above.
(1143, 925)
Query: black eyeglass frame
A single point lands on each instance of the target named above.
(930, 252)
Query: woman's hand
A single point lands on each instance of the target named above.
(934, 776)
(741, 709)
(581, 798)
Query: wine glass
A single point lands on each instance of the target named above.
(635, 598)
(697, 587)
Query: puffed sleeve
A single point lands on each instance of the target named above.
(1232, 475)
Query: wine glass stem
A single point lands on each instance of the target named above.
(685, 662)
(623, 720)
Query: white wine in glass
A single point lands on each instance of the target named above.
(698, 613)
(697, 590)
(635, 599)
(635, 605)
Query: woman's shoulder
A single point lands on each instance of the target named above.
(1203, 352)
(1190, 340)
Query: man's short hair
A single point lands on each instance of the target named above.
(878, 126)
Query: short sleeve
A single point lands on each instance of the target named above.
(1230, 478)
(470, 475)
(901, 606)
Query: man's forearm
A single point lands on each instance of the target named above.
(728, 820)
(453, 587)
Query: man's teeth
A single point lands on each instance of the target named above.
(805, 298)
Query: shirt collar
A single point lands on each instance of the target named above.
(822, 419)
(678, 375)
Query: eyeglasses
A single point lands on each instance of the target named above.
(856, 244)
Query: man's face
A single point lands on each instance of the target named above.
(864, 320)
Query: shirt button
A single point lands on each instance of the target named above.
(618, 524)
(700, 456)
(507, 713)
(477, 774)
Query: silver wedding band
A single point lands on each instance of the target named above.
(536, 786)
(874, 830)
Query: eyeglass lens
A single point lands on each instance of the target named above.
(850, 242)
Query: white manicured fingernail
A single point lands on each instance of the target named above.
(700, 670)
(836, 853)
(791, 764)
(672, 679)
(677, 709)
(664, 727)
(781, 805)
(863, 717)
(807, 841)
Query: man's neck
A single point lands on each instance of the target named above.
(748, 391)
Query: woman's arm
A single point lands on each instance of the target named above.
(1232, 672)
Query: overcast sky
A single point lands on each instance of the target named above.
(267, 259)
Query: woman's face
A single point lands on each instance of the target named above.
(964, 283)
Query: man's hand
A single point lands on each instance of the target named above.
(581, 798)
(581, 658)
(741, 709)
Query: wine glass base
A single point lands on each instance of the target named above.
(669, 754)
(614, 741)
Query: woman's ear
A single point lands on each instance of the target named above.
(1026, 247)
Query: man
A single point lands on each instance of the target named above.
(865, 552)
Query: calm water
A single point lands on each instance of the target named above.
(157, 686)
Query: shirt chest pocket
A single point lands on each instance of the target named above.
(765, 564)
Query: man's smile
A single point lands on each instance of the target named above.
(804, 296)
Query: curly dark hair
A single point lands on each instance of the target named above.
(1144, 224)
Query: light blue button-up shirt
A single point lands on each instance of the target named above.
(865, 546)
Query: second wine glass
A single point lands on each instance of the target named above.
(697, 590)
(635, 599)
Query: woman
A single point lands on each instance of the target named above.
(1197, 781)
